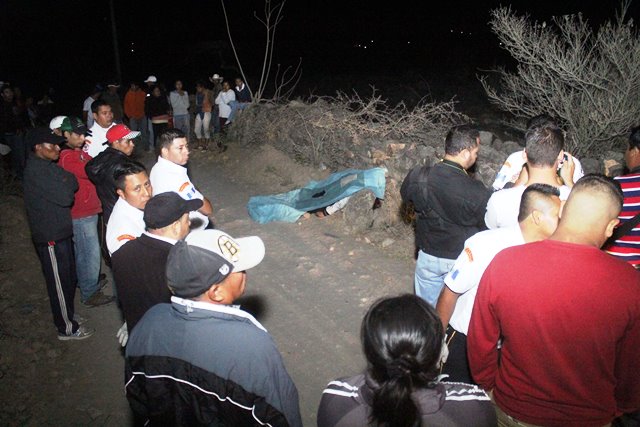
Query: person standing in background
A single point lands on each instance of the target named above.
(179, 100)
(87, 114)
(134, 110)
(204, 106)
(157, 109)
(112, 97)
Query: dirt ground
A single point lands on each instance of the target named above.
(310, 292)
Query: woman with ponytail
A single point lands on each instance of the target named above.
(402, 340)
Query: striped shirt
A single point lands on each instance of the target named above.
(627, 247)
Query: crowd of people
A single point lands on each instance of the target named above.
(526, 310)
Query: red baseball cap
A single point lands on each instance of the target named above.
(121, 131)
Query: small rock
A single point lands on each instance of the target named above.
(387, 242)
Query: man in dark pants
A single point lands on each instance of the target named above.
(48, 197)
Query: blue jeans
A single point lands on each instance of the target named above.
(87, 253)
(235, 106)
(181, 122)
(429, 276)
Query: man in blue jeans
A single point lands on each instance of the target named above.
(84, 214)
(450, 207)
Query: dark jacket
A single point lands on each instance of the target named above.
(243, 95)
(100, 172)
(197, 364)
(48, 196)
(156, 106)
(347, 402)
(139, 274)
(449, 205)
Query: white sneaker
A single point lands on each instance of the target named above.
(80, 334)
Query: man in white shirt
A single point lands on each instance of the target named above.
(96, 142)
(170, 174)
(537, 220)
(87, 114)
(127, 219)
(544, 153)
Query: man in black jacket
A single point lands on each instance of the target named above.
(48, 197)
(450, 208)
(139, 265)
(100, 169)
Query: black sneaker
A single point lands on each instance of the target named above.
(80, 334)
(99, 299)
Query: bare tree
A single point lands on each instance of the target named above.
(589, 80)
(284, 82)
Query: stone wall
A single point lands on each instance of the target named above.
(336, 137)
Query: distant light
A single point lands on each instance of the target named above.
(408, 42)
(371, 41)
(132, 50)
(365, 47)
(451, 31)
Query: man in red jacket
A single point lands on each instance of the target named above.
(84, 214)
(568, 316)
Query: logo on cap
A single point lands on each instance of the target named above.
(229, 248)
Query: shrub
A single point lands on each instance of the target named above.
(589, 80)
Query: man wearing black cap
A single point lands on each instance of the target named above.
(201, 360)
(139, 266)
(84, 214)
(48, 197)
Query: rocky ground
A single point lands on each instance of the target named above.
(317, 279)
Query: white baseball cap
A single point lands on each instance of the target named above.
(243, 253)
(56, 122)
(151, 79)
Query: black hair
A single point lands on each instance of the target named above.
(532, 193)
(165, 139)
(634, 138)
(401, 339)
(541, 120)
(543, 145)
(124, 169)
(95, 105)
(600, 183)
(460, 138)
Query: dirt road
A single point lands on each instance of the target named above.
(310, 292)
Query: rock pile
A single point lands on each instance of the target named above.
(337, 135)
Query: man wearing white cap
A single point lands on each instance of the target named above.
(55, 125)
(202, 358)
(147, 132)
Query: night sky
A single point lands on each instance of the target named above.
(68, 45)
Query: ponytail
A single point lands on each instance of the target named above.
(401, 338)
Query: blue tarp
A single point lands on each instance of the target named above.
(288, 207)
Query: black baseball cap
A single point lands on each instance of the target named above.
(165, 208)
(43, 135)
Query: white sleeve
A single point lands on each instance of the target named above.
(491, 216)
(464, 273)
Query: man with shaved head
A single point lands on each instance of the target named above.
(568, 317)
(537, 220)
